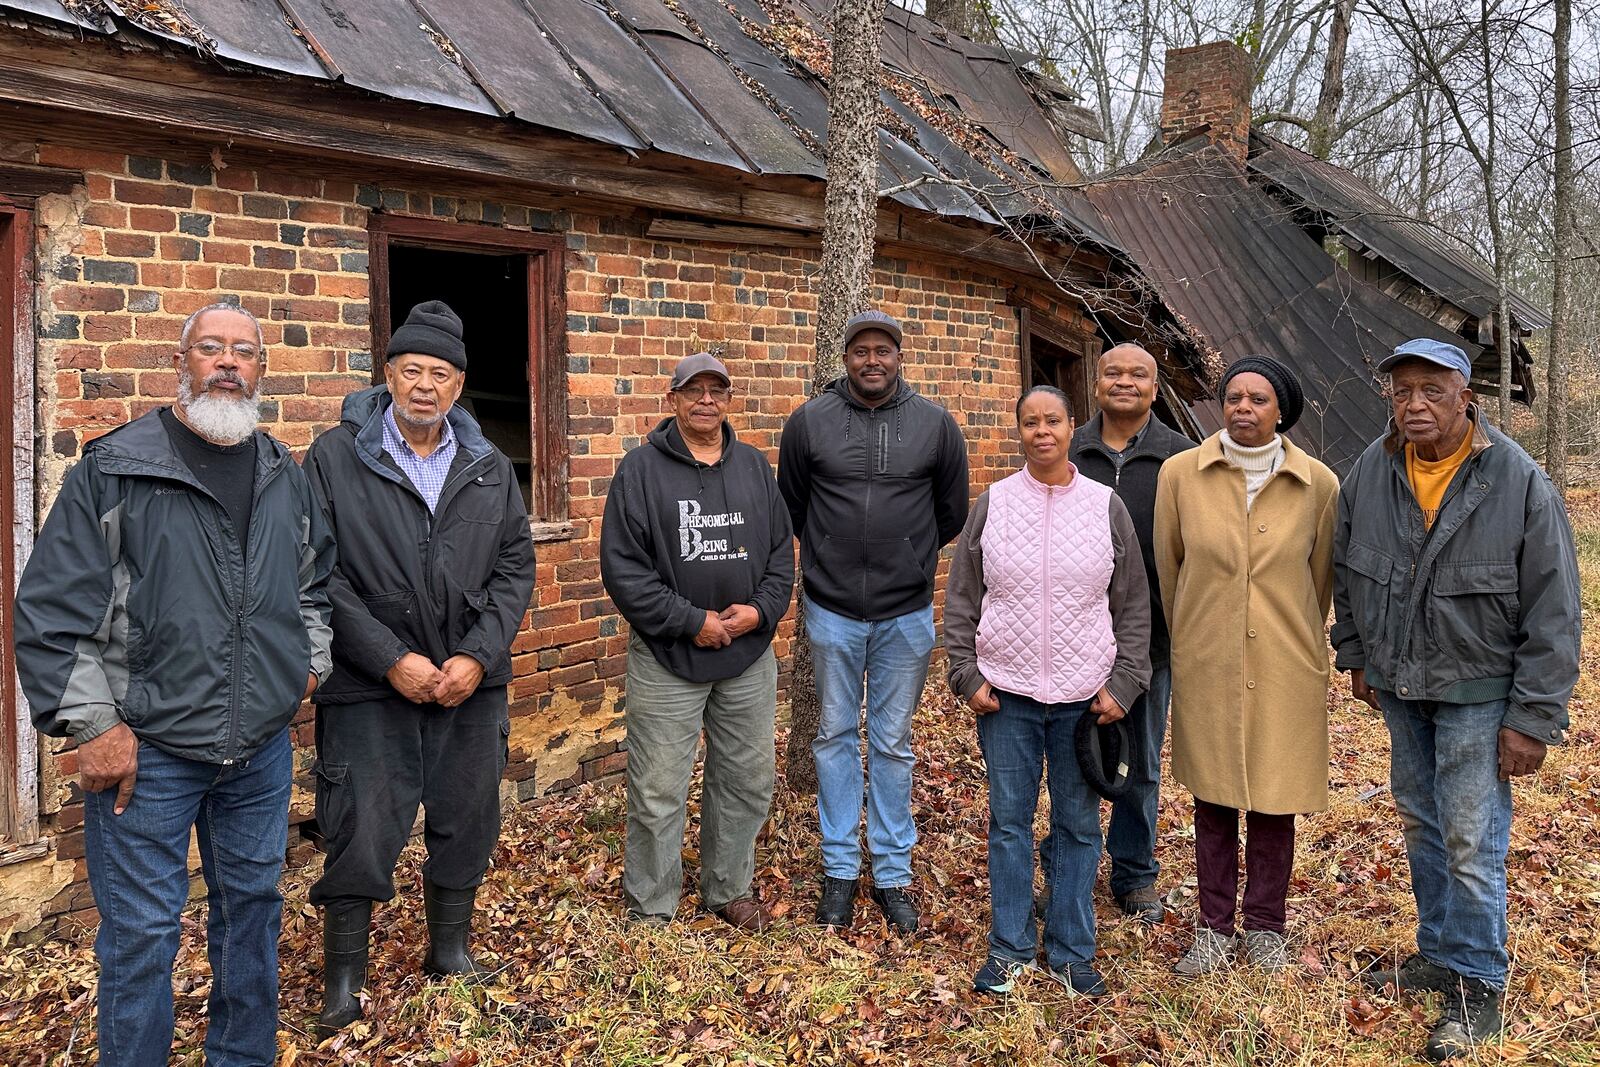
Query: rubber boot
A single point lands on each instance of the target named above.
(449, 913)
(345, 941)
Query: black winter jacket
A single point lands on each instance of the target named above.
(451, 582)
(874, 494)
(1133, 476)
(681, 538)
(137, 606)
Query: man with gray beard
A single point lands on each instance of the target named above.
(173, 615)
(435, 571)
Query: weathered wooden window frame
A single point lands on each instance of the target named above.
(547, 336)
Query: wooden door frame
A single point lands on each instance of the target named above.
(19, 751)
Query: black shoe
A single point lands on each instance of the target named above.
(449, 913)
(344, 965)
(1416, 974)
(838, 904)
(1471, 1017)
(898, 908)
(1143, 904)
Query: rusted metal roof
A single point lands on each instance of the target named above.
(727, 82)
(1348, 205)
(1229, 260)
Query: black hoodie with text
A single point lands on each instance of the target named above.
(681, 538)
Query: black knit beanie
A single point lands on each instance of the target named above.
(431, 329)
(1104, 754)
(1291, 400)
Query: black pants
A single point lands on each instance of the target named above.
(377, 760)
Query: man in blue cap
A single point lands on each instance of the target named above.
(1457, 606)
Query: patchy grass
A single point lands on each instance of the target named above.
(577, 984)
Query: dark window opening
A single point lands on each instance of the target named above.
(490, 293)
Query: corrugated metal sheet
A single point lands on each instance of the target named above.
(1230, 261)
(1438, 262)
(682, 77)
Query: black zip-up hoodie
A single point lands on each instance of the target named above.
(681, 538)
(456, 581)
(1133, 476)
(874, 494)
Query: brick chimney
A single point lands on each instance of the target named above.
(1209, 85)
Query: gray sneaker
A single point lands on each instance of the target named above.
(1211, 952)
(1266, 950)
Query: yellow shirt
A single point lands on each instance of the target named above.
(1429, 480)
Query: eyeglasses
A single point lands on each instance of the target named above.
(720, 393)
(212, 349)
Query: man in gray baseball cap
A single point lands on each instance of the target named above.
(697, 554)
(1456, 606)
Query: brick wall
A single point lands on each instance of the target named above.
(147, 241)
(1209, 84)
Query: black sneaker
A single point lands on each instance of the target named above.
(998, 976)
(838, 904)
(898, 908)
(1081, 978)
(1416, 974)
(1471, 1017)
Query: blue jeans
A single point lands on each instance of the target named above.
(1444, 772)
(1017, 742)
(139, 873)
(889, 660)
(1131, 835)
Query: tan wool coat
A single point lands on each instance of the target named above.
(1246, 595)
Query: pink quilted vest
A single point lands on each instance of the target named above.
(1045, 627)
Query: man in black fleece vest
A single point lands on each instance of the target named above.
(695, 551)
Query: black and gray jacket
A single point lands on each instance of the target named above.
(681, 538)
(456, 581)
(137, 605)
(1484, 606)
(1132, 475)
(874, 494)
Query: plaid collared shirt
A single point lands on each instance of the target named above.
(426, 473)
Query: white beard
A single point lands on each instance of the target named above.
(218, 418)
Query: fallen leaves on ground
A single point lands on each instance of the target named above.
(576, 984)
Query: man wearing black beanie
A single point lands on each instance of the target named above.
(435, 571)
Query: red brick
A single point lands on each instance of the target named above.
(154, 220)
(164, 193)
(255, 281)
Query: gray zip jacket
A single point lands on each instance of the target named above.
(137, 606)
(1484, 606)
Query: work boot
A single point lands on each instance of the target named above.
(345, 943)
(898, 908)
(1471, 1017)
(838, 904)
(449, 913)
(1416, 974)
(1143, 904)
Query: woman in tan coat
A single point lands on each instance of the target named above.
(1244, 551)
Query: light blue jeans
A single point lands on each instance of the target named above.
(887, 660)
(1444, 770)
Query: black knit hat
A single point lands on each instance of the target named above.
(1291, 399)
(431, 329)
(1104, 753)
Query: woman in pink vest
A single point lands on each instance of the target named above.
(1046, 620)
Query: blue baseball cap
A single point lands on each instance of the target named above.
(1445, 355)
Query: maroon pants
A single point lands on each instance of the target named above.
(1268, 860)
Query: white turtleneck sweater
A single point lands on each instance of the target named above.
(1257, 462)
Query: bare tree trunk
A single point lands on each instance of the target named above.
(1558, 358)
(849, 235)
(1332, 92)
